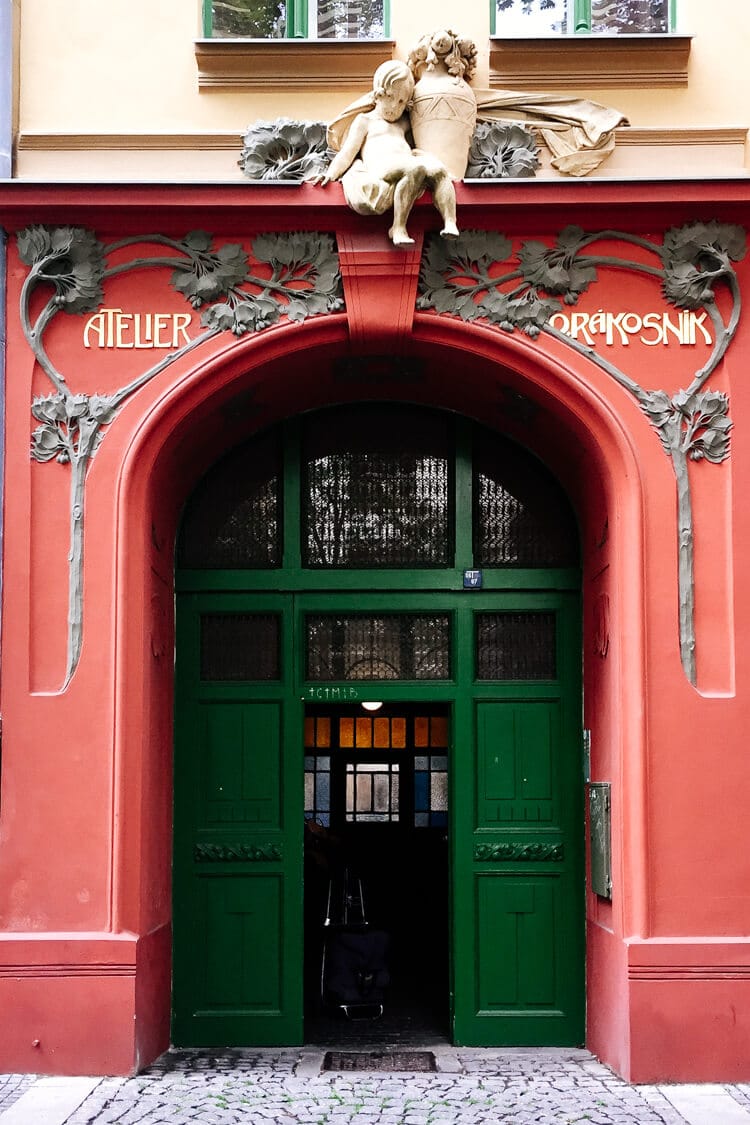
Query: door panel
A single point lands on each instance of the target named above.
(238, 843)
(515, 808)
(518, 858)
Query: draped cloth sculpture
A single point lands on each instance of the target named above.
(578, 132)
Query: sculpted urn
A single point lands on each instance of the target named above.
(444, 107)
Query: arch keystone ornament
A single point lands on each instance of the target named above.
(463, 279)
(293, 275)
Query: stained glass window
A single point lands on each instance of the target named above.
(386, 769)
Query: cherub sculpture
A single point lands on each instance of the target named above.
(376, 163)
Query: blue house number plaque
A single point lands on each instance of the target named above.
(472, 580)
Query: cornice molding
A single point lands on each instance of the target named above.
(291, 64)
(666, 135)
(232, 141)
(604, 62)
(129, 142)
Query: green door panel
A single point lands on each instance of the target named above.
(515, 829)
(518, 888)
(516, 763)
(237, 976)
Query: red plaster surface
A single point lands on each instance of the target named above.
(85, 821)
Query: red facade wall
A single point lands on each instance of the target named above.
(85, 821)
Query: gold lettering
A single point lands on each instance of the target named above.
(147, 340)
(632, 323)
(578, 322)
(560, 322)
(95, 324)
(123, 324)
(699, 322)
(614, 320)
(598, 323)
(180, 325)
(675, 329)
(103, 324)
(114, 328)
(161, 322)
(653, 322)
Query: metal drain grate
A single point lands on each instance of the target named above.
(380, 1060)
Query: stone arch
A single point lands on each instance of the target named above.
(555, 402)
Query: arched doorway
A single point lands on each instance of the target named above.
(405, 556)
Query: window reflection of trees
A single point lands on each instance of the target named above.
(377, 491)
(558, 17)
(269, 19)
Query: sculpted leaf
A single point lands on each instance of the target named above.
(101, 408)
(197, 240)
(219, 316)
(444, 300)
(71, 259)
(556, 269)
(530, 312)
(47, 444)
(685, 286)
(274, 248)
(49, 408)
(285, 150)
(34, 244)
(571, 237)
(500, 151)
(207, 276)
(662, 414)
(298, 310)
(690, 243)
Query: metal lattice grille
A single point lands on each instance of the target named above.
(522, 518)
(376, 489)
(516, 646)
(385, 647)
(232, 519)
(240, 646)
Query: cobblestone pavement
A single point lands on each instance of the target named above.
(286, 1087)
(12, 1086)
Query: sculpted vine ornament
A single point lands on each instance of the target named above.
(693, 261)
(295, 276)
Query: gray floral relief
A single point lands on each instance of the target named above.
(285, 150)
(499, 152)
(692, 264)
(295, 276)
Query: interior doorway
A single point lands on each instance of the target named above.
(400, 555)
(377, 866)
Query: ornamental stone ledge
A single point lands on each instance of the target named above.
(603, 62)
(252, 64)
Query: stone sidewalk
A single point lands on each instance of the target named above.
(287, 1087)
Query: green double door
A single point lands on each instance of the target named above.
(250, 667)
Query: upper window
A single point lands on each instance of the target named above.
(376, 487)
(295, 19)
(574, 17)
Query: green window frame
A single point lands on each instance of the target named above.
(301, 20)
(579, 12)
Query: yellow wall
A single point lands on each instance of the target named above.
(129, 66)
